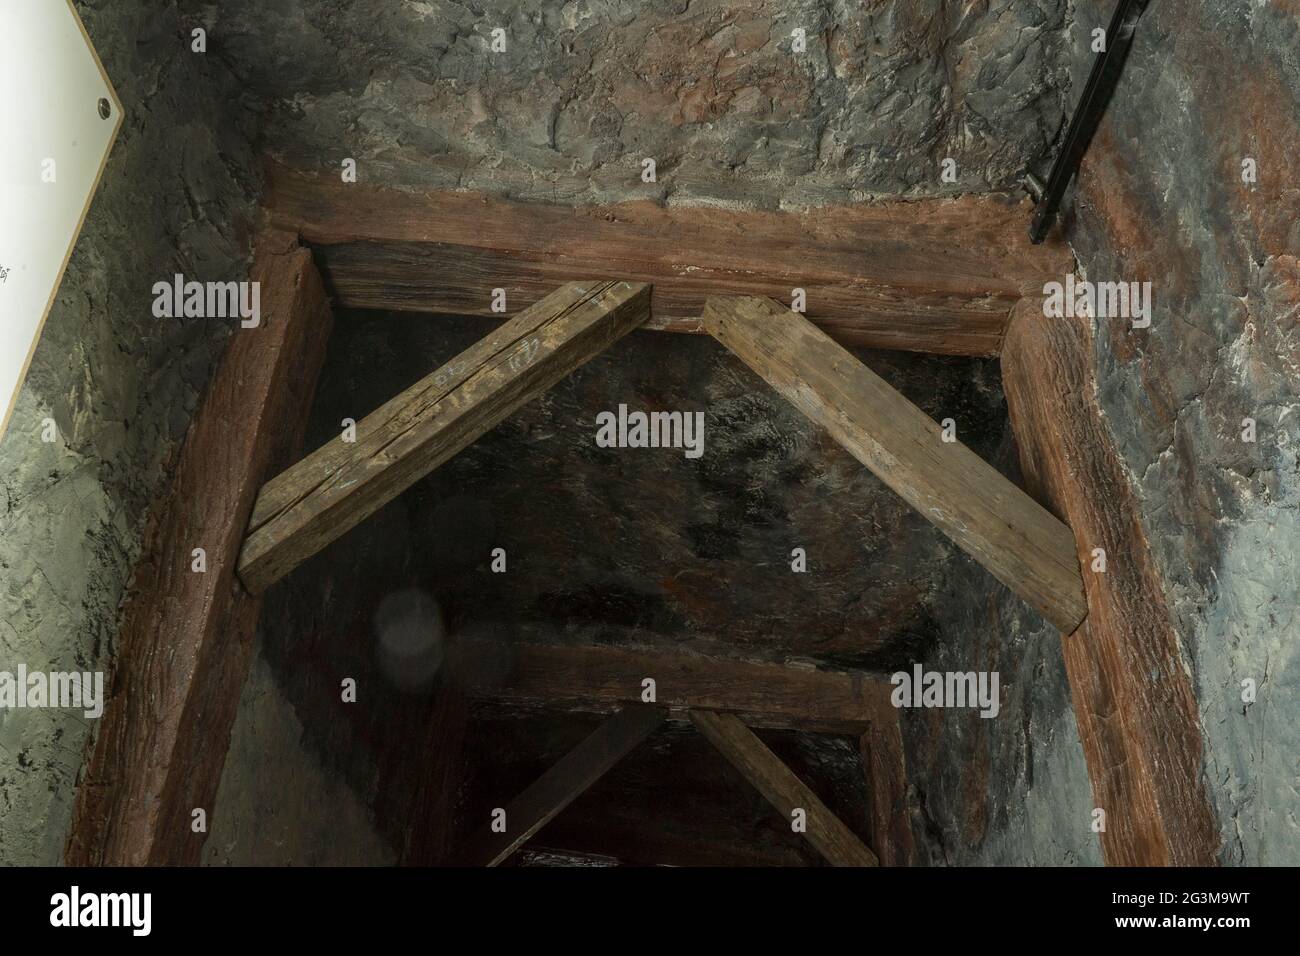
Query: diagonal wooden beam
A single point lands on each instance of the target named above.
(186, 638)
(995, 522)
(603, 679)
(778, 784)
(340, 484)
(936, 275)
(565, 782)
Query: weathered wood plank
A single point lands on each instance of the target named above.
(1023, 545)
(778, 784)
(1133, 701)
(564, 782)
(603, 678)
(340, 484)
(442, 767)
(184, 648)
(929, 275)
(885, 764)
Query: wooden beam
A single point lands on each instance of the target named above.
(564, 782)
(1016, 539)
(340, 484)
(935, 275)
(183, 651)
(601, 679)
(1129, 683)
(441, 771)
(778, 784)
(883, 759)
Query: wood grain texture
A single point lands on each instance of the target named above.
(928, 275)
(340, 484)
(1134, 703)
(564, 783)
(185, 642)
(431, 840)
(778, 784)
(1016, 539)
(883, 759)
(603, 678)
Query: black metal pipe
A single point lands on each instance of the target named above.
(1103, 79)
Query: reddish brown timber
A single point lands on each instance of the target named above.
(1129, 683)
(601, 679)
(1021, 543)
(883, 759)
(934, 275)
(341, 484)
(563, 783)
(184, 647)
(778, 784)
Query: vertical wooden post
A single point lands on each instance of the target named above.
(185, 643)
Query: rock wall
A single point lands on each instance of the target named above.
(121, 386)
(1007, 790)
(713, 90)
(1161, 197)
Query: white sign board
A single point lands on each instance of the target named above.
(59, 117)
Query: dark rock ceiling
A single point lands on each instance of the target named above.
(645, 544)
(618, 546)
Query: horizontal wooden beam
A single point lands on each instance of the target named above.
(1022, 544)
(779, 785)
(601, 679)
(563, 783)
(930, 275)
(342, 483)
(186, 638)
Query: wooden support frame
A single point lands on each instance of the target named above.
(341, 484)
(601, 679)
(564, 783)
(937, 275)
(145, 773)
(785, 791)
(186, 638)
(985, 514)
(1141, 735)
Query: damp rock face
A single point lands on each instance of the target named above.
(1165, 195)
(756, 103)
(119, 384)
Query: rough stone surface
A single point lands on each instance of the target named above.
(120, 385)
(1161, 198)
(1010, 790)
(277, 806)
(712, 90)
